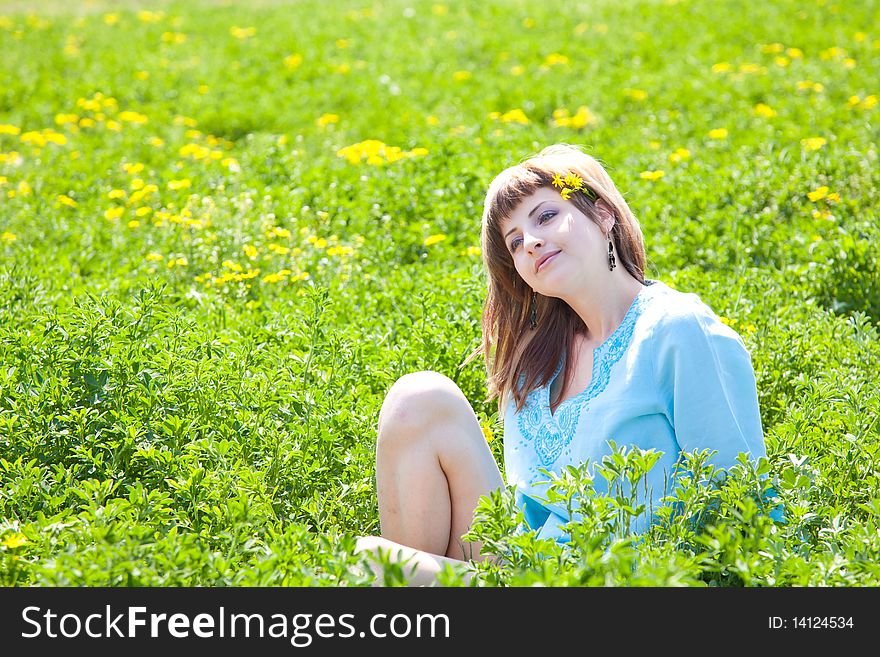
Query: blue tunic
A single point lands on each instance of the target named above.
(671, 377)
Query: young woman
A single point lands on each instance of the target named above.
(580, 349)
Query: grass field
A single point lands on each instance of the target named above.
(227, 228)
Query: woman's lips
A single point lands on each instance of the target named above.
(542, 263)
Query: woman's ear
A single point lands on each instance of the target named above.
(605, 215)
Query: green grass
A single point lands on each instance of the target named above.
(171, 416)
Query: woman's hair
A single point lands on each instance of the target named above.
(521, 354)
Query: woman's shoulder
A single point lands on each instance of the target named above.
(679, 315)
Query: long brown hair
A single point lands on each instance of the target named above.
(512, 351)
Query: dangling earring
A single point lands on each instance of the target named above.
(611, 262)
(533, 317)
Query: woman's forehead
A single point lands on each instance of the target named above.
(528, 203)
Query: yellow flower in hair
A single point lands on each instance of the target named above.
(571, 183)
(574, 181)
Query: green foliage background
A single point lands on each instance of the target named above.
(162, 427)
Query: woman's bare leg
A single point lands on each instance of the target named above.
(432, 466)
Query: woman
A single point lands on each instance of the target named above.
(649, 367)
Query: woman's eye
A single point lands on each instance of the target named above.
(514, 244)
(546, 216)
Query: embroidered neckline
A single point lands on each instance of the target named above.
(551, 433)
(606, 345)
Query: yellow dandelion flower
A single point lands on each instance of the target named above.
(809, 85)
(832, 53)
(232, 265)
(111, 19)
(487, 433)
(250, 251)
(557, 181)
(517, 70)
(439, 10)
(473, 251)
(293, 61)
(764, 110)
(113, 213)
(14, 541)
(276, 278)
(134, 223)
(853, 101)
(86, 122)
(818, 194)
(565, 192)
(55, 137)
(574, 181)
(66, 200)
(749, 67)
(772, 48)
(781, 62)
(813, 143)
(635, 94)
(24, 188)
(461, 76)
(555, 59)
(834, 196)
(62, 119)
(582, 117)
(183, 183)
(722, 67)
(155, 257)
(7, 236)
(795, 53)
(34, 138)
(6, 129)
(679, 154)
(869, 102)
(514, 116)
(143, 211)
(203, 89)
(150, 16)
(327, 119)
(718, 133)
(242, 33)
(652, 175)
(434, 239)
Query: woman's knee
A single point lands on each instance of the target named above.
(418, 401)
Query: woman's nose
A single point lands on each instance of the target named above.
(532, 242)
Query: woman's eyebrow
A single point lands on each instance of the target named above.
(530, 214)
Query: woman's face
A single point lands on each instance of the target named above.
(556, 249)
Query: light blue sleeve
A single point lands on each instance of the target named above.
(707, 381)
